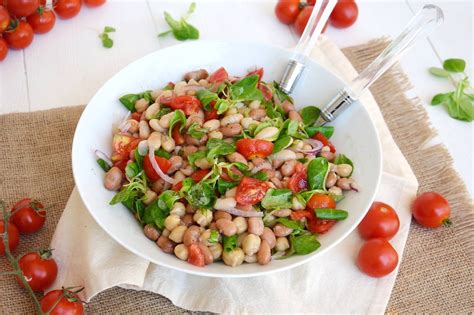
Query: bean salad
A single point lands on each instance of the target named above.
(224, 168)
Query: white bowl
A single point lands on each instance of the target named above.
(355, 136)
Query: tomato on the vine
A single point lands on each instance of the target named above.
(68, 303)
(380, 221)
(250, 191)
(377, 258)
(3, 49)
(13, 237)
(20, 36)
(67, 9)
(287, 11)
(94, 3)
(431, 210)
(28, 215)
(20, 8)
(303, 18)
(345, 14)
(39, 269)
(253, 148)
(150, 172)
(4, 18)
(42, 21)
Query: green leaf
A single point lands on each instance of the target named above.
(137, 207)
(229, 242)
(304, 244)
(103, 165)
(164, 154)
(178, 118)
(331, 214)
(310, 114)
(454, 65)
(277, 199)
(201, 195)
(129, 101)
(327, 131)
(214, 237)
(467, 106)
(222, 106)
(274, 111)
(192, 8)
(440, 98)
(439, 72)
(196, 131)
(218, 147)
(109, 29)
(246, 89)
(206, 97)
(318, 170)
(260, 176)
(196, 155)
(135, 189)
(159, 209)
(163, 111)
(342, 159)
(139, 159)
(282, 96)
(181, 29)
(223, 185)
(163, 34)
(107, 42)
(283, 142)
(295, 225)
(132, 169)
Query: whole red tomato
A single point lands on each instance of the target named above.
(42, 21)
(252, 148)
(94, 3)
(303, 19)
(377, 258)
(13, 237)
(20, 8)
(287, 10)
(39, 269)
(3, 49)
(4, 18)
(250, 191)
(28, 215)
(68, 304)
(20, 37)
(431, 210)
(345, 14)
(163, 164)
(67, 9)
(381, 221)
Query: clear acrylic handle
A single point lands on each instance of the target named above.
(429, 17)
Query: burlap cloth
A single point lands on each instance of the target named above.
(436, 273)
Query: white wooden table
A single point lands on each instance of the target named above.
(66, 66)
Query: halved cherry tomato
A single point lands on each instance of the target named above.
(67, 9)
(4, 18)
(198, 175)
(39, 268)
(252, 148)
(251, 191)
(287, 11)
(163, 164)
(3, 49)
(122, 164)
(300, 214)
(13, 237)
(266, 92)
(28, 215)
(195, 256)
(380, 221)
(211, 114)
(320, 137)
(177, 186)
(235, 172)
(136, 116)
(299, 180)
(320, 226)
(42, 21)
(176, 134)
(122, 145)
(321, 201)
(377, 258)
(20, 37)
(189, 104)
(20, 8)
(219, 76)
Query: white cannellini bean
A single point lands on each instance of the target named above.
(143, 129)
(216, 134)
(212, 124)
(181, 251)
(231, 192)
(156, 93)
(152, 110)
(179, 88)
(165, 120)
(233, 258)
(250, 259)
(167, 143)
(216, 251)
(150, 196)
(225, 203)
(155, 140)
(231, 111)
(268, 133)
(254, 105)
(284, 155)
(296, 204)
(203, 163)
(251, 244)
(203, 217)
(231, 119)
(282, 244)
(141, 105)
(172, 221)
(177, 234)
(155, 125)
(241, 224)
(344, 170)
(246, 122)
(178, 209)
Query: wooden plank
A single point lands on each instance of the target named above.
(13, 88)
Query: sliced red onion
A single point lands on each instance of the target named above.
(143, 147)
(103, 156)
(176, 149)
(240, 213)
(260, 167)
(312, 152)
(156, 167)
(316, 144)
(278, 254)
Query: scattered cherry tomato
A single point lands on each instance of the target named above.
(300, 214)
(68, 303)
(121, 164)
(20, 37)
(4, 18)
(210, 114)
(20, 8)
(219, 76)
(299, 180)
(176, 134)
(29, 215)
(253, 148)
(303, 18)
(94, 3)
(39, 268)
(198, 175)
(195, 256)
(258, 72)
(122, 146)
(136, 116)
(250, 191)
(266, 92)
(344, 14)
(431, 210)
(3, 49)
(381, 221)
(377, 258)
(42, 21)
(318, 201)
(320, 226)
(325, 141)
(13, 237)
(177, 186)
(163, 164)
(189, 104)
(287, 11)
(67, 9)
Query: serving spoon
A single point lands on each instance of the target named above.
(423, 23)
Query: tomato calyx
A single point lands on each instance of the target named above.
(45, 253)
(14, 22)
(70, 293)
(447, 223)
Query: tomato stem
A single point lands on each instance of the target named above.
(447, 222)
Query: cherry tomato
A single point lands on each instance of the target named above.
(195, 256)
(219, 76)
(298, 181)
(431, 210)
(344, 14)
(380, 221)
(234, 171)
(318, 201)
(176, 134)
(303, 18)
(20, 37)
(29, 215)
(300, 214)
(94, 3)
(251, 191)
(122, 164)
(42, 21)
(4, 18)
(136, 116)
(22, 7)
(3, 49)
(189, 104)
(253, 148)
(210, 114)
(163, 164)
(122, 146)
(39, 269)
(258, 72)
(198, 175)
(320, 137)
(377, 258)
(311, 2)
(266, 92)
(177, 186)
(68, 304)
(287, 11)
(67, 9)
(13, 237)
(320, 226)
